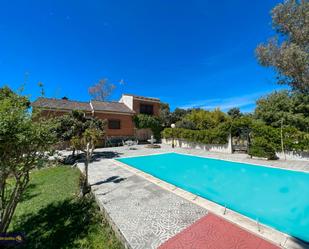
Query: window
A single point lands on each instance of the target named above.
(114, 124)
(146, 109)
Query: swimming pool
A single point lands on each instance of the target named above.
(278, 198)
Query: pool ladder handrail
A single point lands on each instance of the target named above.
(224, 212)
(258, 225)
(257, 219)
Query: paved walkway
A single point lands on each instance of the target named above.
(145, 214)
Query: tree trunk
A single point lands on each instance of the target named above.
(85, 185)
(2, 197)
(9, 209)
(281, 135)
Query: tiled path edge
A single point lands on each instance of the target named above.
(114, 227)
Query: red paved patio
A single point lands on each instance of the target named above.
(213, 232)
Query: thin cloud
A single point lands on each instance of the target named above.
(226, 103)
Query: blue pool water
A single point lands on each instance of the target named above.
(278, 198)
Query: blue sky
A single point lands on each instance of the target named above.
(197, 53)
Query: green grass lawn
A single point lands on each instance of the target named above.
(52, 216)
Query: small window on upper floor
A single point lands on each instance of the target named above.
(114, 124)
(146, 109)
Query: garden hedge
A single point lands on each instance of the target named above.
(211, 136)
(264, 140)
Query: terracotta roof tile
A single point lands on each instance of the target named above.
(61, 104)
(110, 107)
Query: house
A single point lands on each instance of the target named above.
(119, 115)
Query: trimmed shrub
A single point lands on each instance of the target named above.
(146, 121)
(186, 124)
(295, 140)
(211, 136)
(265, 140)
(261, 147)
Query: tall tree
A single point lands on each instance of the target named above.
(24, 142)
(86, 142)
(234, 112)
(288, 53)
(284, 108)
(74, 124)
(178, 114)
(101, 90)
(165, 114)
(204, 119)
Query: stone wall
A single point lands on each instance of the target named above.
(294, 155)
(227, 148)
(223, 148)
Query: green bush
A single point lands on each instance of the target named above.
(211, 136)
(146, 121)
(295, 140)
(204, 119)
(186, 124)
(264, 139)
(261, 147)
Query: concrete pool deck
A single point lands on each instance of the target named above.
(147, 211)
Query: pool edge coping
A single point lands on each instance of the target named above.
(216, 158)
(263, 231)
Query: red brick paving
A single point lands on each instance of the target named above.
(213, 232)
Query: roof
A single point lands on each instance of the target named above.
(110, 107)
(62, 104)
(144, 98)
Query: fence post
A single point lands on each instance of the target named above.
(230, 146)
